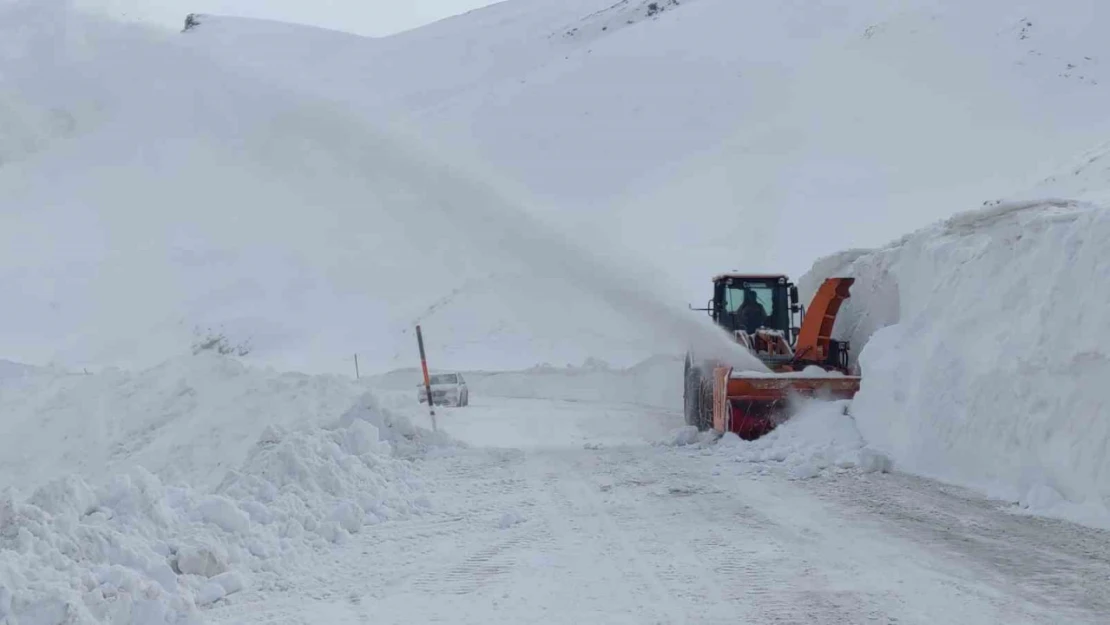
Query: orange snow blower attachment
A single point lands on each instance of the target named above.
(752, 405)
(801, 362)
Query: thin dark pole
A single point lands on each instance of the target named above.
(427, 378)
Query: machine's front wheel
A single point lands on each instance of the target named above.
(690, 396)
(705, 405)
(697, 397)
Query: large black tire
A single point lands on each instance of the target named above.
(689, 396)
(697, 397)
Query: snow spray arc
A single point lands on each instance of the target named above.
(478, 219)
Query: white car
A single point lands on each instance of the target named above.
(448, 389)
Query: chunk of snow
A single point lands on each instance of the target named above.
(348, 515)
(1042, 497)
(686, 435)
(210, 593)
(231, 581)
(873, 461)
(805, 470)
(207, 560)
(224, 513)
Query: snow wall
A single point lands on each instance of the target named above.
(984, 352)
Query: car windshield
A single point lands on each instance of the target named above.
(444, 378)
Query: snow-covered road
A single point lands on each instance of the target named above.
(540, 528)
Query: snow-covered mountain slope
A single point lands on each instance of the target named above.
(194, 197)
(236, 176)
(720, 133)
(983, 356)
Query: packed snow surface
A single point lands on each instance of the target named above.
(984, 360)
(543, 528)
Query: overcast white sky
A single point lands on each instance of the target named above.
(364, 17)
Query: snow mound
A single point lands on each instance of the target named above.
(404, 438)
(820, 435)
(139, 551)
(188, 419)
(983, 359)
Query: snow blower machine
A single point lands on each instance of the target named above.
(760, 312)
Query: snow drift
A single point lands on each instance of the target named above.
(131, 547)
(984, 354)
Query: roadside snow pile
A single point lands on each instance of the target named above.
(405, 439)
(188, 419)
(820, 436)
(983, 353)
(137, 550)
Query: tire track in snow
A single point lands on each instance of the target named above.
(1064, 565)
(648, 578)
(662, 536)
(725, 547)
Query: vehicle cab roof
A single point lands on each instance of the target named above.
(749, 276)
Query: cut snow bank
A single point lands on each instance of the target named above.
(984, 360)
(137, 550)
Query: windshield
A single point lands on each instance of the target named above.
(753, 293)
(444, 378)
(751, 304)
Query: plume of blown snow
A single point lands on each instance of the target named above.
(176, 159)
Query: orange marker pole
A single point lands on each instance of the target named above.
(427, 379)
